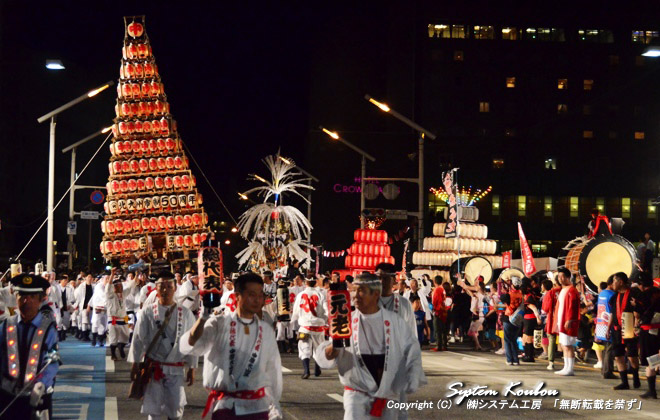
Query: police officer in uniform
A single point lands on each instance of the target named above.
(25, 341)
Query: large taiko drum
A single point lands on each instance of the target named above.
(598, 258)
(507, 273)
(471, 268)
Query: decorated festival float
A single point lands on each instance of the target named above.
(152, 210)
(277, 234)
(460, 244)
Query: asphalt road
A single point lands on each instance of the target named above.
(320, 398)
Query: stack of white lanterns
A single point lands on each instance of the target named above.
(439, 253)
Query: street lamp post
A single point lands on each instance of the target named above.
(52, 116)
(363, 170)
(420, 178)
(72, 178)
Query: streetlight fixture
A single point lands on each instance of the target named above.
(73, 149)
(52, 115)
(420, 179)
(363, 171)
(54, 65)
(652, 51)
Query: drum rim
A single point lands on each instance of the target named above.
(453, 270)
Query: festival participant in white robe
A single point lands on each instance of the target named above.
(415, 290)
(393, 301)
(242, 368)
(297, 288)
(187, 294)
(99, 315)
(117, 316)
(270, 290)
(383, 359)
(54, 299)
(131, 293)
(86, 291)
(309, 312)
(164, 396)
(568, 320)
(6, 301)
(66, 291)
(146, 291)
(228, 299)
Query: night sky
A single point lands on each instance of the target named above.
(236, 77)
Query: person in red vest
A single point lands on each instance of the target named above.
(549, 306)
(599, 224)
(567, 316)
(439, 315)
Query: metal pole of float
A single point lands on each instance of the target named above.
(458, 235)
(363, 174)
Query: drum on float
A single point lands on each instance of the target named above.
(598, 258)
(471, 269)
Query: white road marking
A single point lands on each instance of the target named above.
(286, 370)
(474, 359)
(336, 397)
(62, 411)
(109, 364)
(73, 388)
(75, 377)
(76, 367)
(111, 411)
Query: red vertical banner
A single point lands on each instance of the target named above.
(451, 227)
(528, 260)
(506, 259)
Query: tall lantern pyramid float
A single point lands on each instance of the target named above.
(478, 256)
(153, 207)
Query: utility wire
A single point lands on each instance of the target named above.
(59, 202)
(210, 185)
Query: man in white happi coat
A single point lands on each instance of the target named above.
(7, 300)
(270, 290)
(309, 312)
(54, 299)
(148, 291)
(415, 290)
(66, 290)
(383, 359)
(242, 368)
(228, 301)
(99, 316)
(164, 396)
(83, 296)
(131, 292)
(187, 294)
(393, 301)
(117, 316)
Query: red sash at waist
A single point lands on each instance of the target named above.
(245, 394)
(158, 368)
(314, 329)
(378, 405)
(647, 327)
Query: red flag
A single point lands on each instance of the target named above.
(528, 259)
(506, 259)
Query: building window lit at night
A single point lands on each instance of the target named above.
(510, 33)
(483, 32)
(588, 134)
(522, 205)
(651, 209)
(625, 207)
(510, 82)
(498, 163)
(484, 106)
(562, 108)
(600, 204)
(551, 163)
(439, 31)
(574, 208)
(639, 135)
(458, 31)
(496, 205)
(588, 84)
(547, 206)
(562, 84)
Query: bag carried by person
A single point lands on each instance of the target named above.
(145, 371)
(516, 317)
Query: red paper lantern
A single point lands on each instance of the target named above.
(177, 182)
(125, 245)
(196, 238)
(119, 226)
(116, 167)
(161, 164)
(136, 93)
(110, 226)
(155, 128)
(155, 223)
(153, 146)
(147, 127)
(179, 241)
(135, 29)
(135, 146)
(109, 248)
(169, 162)
(143, 50)
(178, 220)
(149, 183)
(153, 164)
(145, 223)
(197, 219)
(115, 187)
(135, 244)
(162, 222)
(134, 166)
(160, 142)
(168, 182)
(164, 127)
(148, 70)
(139, 71)
(170, 144)
(159, 182)
(128, 226)
(125, 166)
(187, 220)
(143, 165)
(126, 91)
(155, 89)
(170, 222)
(185, 181)
(178, 162)
(123, 128)
(132, 185)
(146, 90)
(187, 241)
(203, 236)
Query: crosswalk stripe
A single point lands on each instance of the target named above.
(111, 410)
(76, 367)
(109, 364)
(336, 397)
(286, 370)
(73, 388)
